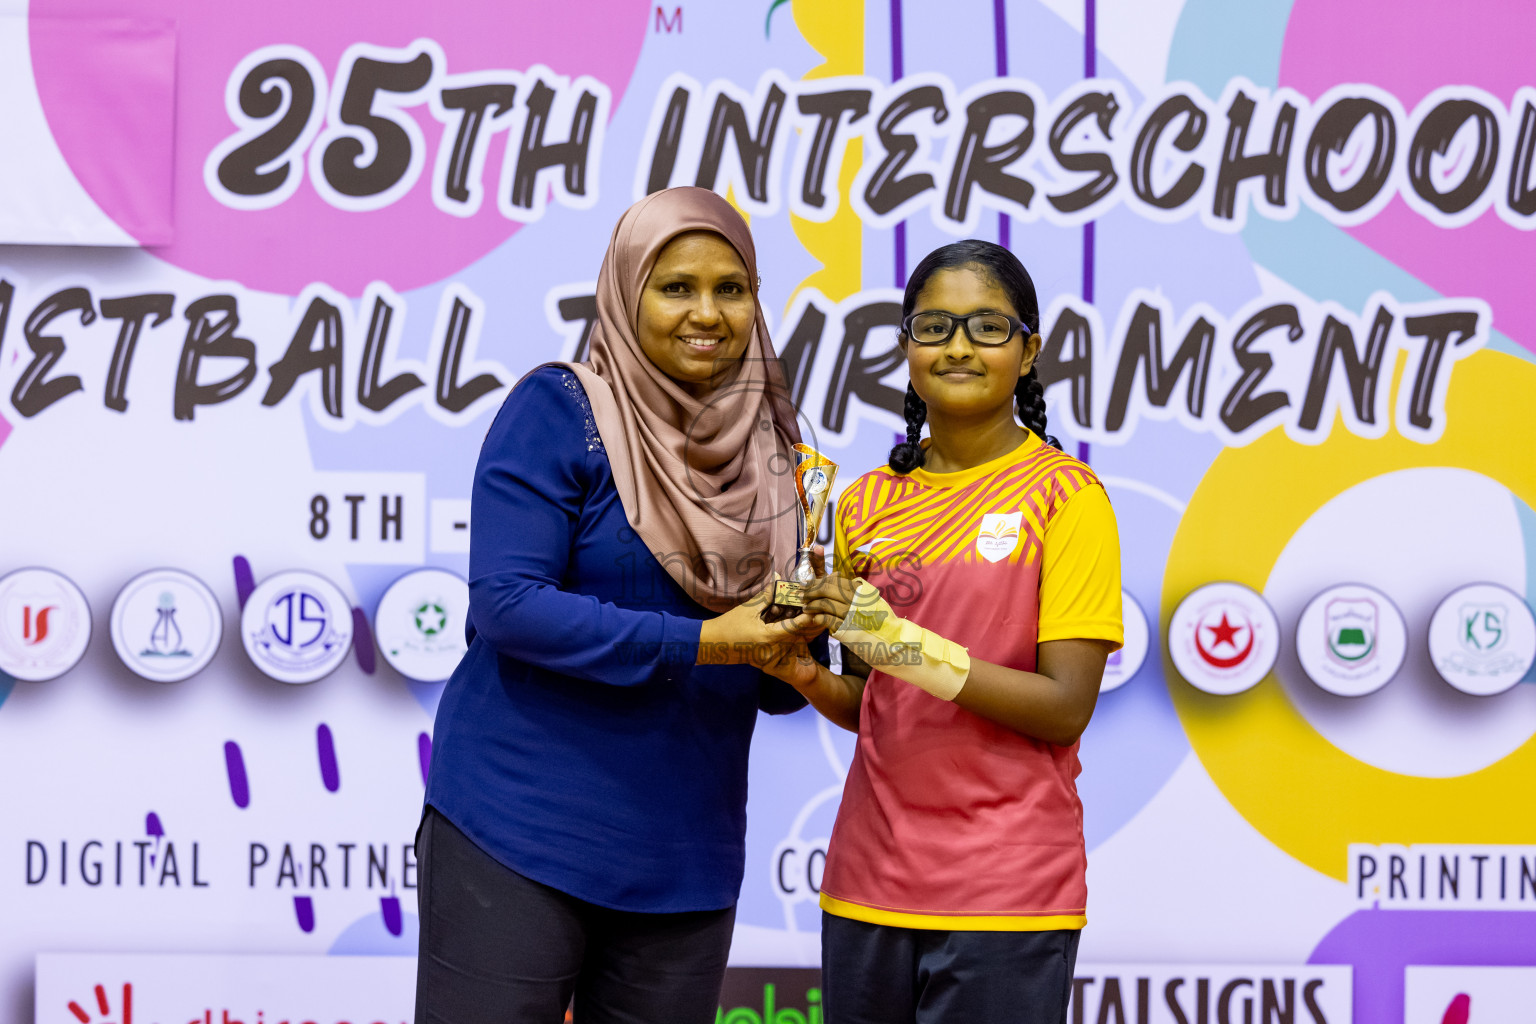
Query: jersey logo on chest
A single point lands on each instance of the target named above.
(999, 535)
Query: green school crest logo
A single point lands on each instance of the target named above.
(1352, 629)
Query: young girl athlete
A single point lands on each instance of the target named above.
(977, 598)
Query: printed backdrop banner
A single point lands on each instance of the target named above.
(1282, 250)
(203, 989)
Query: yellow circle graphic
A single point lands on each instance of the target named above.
(1305, 795)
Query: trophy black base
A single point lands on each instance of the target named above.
(789, 593)
(788, 601)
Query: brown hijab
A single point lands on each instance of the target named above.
(706, 482)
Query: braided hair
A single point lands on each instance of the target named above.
(1005, 270)
(908, 455)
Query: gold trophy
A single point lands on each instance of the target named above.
(813, 484)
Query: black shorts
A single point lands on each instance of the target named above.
(878, 974)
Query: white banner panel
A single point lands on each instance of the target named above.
(1457, 995)
(1204, 993)
(121, 988)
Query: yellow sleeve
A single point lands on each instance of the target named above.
(1080, 571)
(842, 558)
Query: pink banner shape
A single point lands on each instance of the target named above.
(305, 238)
(121, 90)
(1416, 47)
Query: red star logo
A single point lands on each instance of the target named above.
(1225, 632)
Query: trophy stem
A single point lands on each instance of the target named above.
(804, 571)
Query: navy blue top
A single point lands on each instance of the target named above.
(577, 742)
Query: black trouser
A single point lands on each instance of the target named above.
(876, 974)
(496, 946)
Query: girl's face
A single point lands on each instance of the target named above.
(959, 378)
(696, 310)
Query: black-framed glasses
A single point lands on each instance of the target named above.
(936, 327)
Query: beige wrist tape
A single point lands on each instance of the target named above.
(901, 648)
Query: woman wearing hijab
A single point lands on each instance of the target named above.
(586, 805)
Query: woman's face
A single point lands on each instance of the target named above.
(696, 310)
(959, 378)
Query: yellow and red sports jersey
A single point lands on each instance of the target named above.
(949, 820)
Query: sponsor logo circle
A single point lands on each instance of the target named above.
(1223, 638)
(1351, 640)
(296, 627)
(166, 625)
(1127, 661)
(45, 625)
(1482, 639)
(420, 624)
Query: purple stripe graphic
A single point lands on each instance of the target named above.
(304, 910)
(1000, 35)
(389, 907)
(152, 827)
(1090, 39)
(330, 772)
(1090, 49)
(245, 580)
(424, 754)
(1090, 68)
(362, 641)
(234, 766)
(1088, 262)
(1000, 39)
(897, 70)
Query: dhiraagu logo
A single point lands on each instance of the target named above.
(102, 1000)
